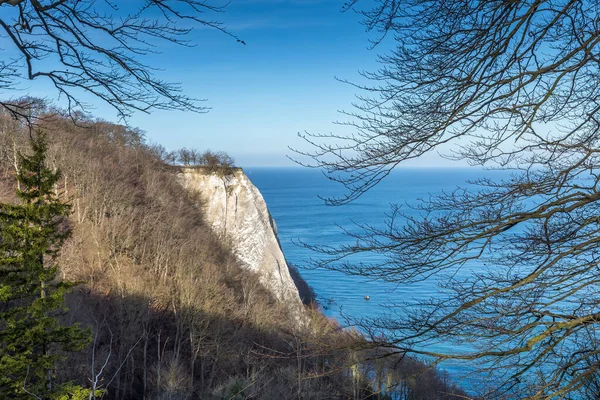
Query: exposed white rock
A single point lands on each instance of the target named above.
(237, 211)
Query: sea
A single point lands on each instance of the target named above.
(295, 199)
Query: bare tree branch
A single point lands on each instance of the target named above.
(510, 85)
(98, 47)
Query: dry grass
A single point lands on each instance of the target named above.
(173, 314)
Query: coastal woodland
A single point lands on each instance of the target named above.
(113, 285)
(157, 305)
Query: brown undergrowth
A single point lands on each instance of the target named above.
(173, 314)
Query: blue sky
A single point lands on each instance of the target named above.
(262, 94)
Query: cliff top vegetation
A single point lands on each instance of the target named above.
(171, 312)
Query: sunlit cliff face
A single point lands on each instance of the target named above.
(236, 210)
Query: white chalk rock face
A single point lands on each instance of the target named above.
(237, 212)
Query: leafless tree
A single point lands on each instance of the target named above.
(185, 156)
(216, 160)
(98, 47)
(510, 85)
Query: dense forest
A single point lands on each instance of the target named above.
(170, 312)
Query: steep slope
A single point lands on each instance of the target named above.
(237, 212)
(173, 313)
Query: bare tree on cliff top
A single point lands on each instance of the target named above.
(505, 84)
(97, 47)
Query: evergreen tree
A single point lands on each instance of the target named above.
(31, 296)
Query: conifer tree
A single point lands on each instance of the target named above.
(31, 295)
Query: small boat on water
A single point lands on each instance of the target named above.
(367, 298)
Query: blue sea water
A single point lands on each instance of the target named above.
(292, 195)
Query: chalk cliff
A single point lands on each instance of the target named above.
(237, 212)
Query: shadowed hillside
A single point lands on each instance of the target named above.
(173, 315)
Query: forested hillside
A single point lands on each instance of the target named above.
(172, 314)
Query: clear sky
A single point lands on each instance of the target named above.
(261, 94)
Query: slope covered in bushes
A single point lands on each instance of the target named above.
(172, 313)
